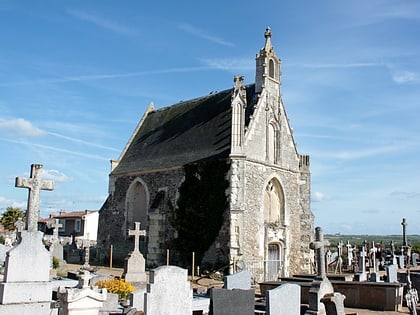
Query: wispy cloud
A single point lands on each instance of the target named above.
(203, 34)
(233, 64)
(6, 202)
(76, 140)
(102, 22)
(56, 149)
(405, 194)
(20, 127)
(335, 65)
(94, 77)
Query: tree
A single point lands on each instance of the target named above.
(10, 216)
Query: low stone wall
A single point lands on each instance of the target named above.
(378, 296)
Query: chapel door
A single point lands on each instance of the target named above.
(273, 261)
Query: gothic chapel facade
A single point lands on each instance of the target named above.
(263, 211)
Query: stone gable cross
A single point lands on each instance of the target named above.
(35, 185)
(319, 246)
(137, 233)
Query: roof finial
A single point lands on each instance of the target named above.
(267, 33)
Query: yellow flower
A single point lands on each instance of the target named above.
(117, 286)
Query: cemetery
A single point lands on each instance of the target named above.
(345, 278)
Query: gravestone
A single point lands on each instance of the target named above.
(334, 303)
(400, 260)
(168, 292)
(283, 300)
(137, 299)
(86, 252)
(320, 285)
(56, 248)
(26, 287)
(374, 274)
(414, 259)
(228, 302)
(349, 254)
(239, 280)
(393, 256)
(339, 264)
(134, 267)
(391, 273)
(3, 251)
(362, 275)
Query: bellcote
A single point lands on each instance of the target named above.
(267, 66)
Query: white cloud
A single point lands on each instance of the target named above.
(20, 127)
(6, 202)
(402, 77)
(102, 22)
(319, 197)
(55, 176)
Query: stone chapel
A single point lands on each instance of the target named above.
(219, 175)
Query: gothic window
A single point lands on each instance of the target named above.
(136, 204)
(271, 70)
(274, 203)
(273, 135)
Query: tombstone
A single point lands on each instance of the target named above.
(401, 262)
(393, 256)
(411, 297)
(362, 275)
(320, 285)
(339, 263)
(26, 287)
(374, 274)
(349, 254)
(414, 259)
(56, 248)
(228, 302)
(134, 265)
(334, 303)
(283, 300)
(329, 258)
(137, 299)
(240, 280)
(391, 273)
(86, 252)
(168, 292)
(3, 251)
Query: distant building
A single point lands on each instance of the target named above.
(79, 224)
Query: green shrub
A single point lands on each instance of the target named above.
(56, 262)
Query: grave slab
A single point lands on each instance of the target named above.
(284, 300)
(228, 302)
(239, 280)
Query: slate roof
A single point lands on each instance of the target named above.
(184, 133)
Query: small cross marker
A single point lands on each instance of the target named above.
(136, 233)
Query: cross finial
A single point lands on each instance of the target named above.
(35, 185)
(56, 225)
(137, 233)
(84, 279)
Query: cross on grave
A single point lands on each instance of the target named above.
(373, 251)
(404, 225)
(319, 247)
(349, 254)
(137, 233)
(35, 185)
(20, 225)
(84, 279)
(56, 225)
(86, 249)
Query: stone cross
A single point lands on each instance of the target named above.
(349, 254)
(56, 225)
(20, 225)
(373, 251)
(319, 246)
(362, 261)
(35, 185)
(86, 249)
(404, 225)
(137, 233)
(84, 279)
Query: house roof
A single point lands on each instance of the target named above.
(66, 215)
(184, 133)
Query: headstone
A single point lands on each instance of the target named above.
(339, 263)
(240, 280)
(26, 287)
(283, 300)
(334, 303)
(3, 251)
(320, 285)
(137, 299)
(414, 259)
(349, 254)
(362, 275)
(56, 248)
(111, 305)
(134, 265)
(168, 292)
(86, 252)
(374, 274)
(393, 256)
(81, 301)
(391, 273)
(228, 302)
(400, 260)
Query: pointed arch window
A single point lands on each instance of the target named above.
(271, 69)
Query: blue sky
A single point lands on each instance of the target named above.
(76, 77)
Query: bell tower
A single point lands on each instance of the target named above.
(267, 73)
